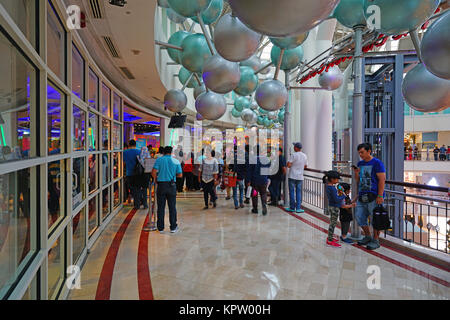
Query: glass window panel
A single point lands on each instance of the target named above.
(77, 73)
(92, 179)
(117, 135)
(78, 133)
(55, 190)
(54, 128)
(16, 93)
(78, 235)
(106, 101)
(55, 43)
(15, 243)
(32, 290)
(105, 203)
(93, 218)
(93, 131)
(105, 134)
(79, 182)
(93, 90)
(24, 15)
(56, 270)
(116, 165)
(117, 104)
(106, 168)
(117, 194)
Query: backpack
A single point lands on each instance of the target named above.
(138, 169)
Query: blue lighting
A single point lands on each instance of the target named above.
(129, 117)
(156, 123)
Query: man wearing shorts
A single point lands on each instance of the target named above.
(371, 178)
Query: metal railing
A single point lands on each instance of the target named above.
(426, 155)
(419, 213)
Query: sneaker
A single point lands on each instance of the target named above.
(242, 205)
(161, 231)
(365, 241)
(235, 208)
(247, 201)
(255, 211)
(374, 244)
(264, 211)
(333, 244)
(290, 210)
(205, 208)
(227, 198)
(214, 204)
(175, 230)
(299, 211)
(346, 240)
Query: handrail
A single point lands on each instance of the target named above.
(395, 183)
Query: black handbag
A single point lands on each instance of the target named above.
(138, 169)
(381, 219)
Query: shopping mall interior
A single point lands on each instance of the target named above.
(80, 79)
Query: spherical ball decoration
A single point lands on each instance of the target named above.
(267, 122)
(291, 57)
(254, 106)
(271, 95)
(290, 42)
(332, 79)
(401, 16)
(195, 52)
(281, 116)
(211, 105)
(236, 113)
(163, 4)
(183, 76)
(175, 17)
(188, 8)
(176, 39)
(262, 111)
(266, 70)
(233, 40)
(272, 115)
(212, 13)
(199, 90)
(220, 75)
(425, 92)
(254, 118)
(175, 100)
(282, 18)
(248, 82)
(199, 117)
(260, 120)
(252, 62)
(247, 115)
(242, 103)
(435, 47)
(350, 13)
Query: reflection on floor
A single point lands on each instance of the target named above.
(225, 253)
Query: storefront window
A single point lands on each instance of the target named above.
(78, 235)
(54, 103)
(116, 165)
(117, 135)
(93, 90)
(117, 106)
(56, 270)
(79, 182)
(93, 131)
(77, 73)
(92, 219)
(24, 15)
(116, 194)
(105, 168)
(55, 190)
(92, 179)
(16, 95)
(56, 46)
(105, 203)
(105, 134)
(15, 229)
(78, 133)
(106, 101)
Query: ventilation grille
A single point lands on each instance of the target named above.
(127, 73)
(111, 47)
(96, 9)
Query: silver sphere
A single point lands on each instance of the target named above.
(435, 47)
(212, 106)
(199, 90)
(252, 62)
(233, 40)
(266, 70)
(253, 119)
(332, 79)
(425, 92)
(282, 18)
(220, 75)
(175, 17)
(175, 100)
(247, 115)
(290, 42)
(272, 115)
(271, 95)
(254, 106)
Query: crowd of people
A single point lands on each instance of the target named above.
(439, 154)
(251, 174)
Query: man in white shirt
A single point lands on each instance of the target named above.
(297, 164)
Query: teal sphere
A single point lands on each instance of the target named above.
(212, 13)
(281, 117)
(176, 39)
(401, 16)
(350, 13)
(242, 103)
(262, 111)
(290, 42)
(195, 52)
(291, 57)
(184, 75)
(260, 120)
(236, 113)
(188, 8)
(267, 122)
(248, 83)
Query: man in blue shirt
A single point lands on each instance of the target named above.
(130, 160)
(371, 179)
(165, 172)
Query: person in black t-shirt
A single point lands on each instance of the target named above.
(276, 179)
(345, 214)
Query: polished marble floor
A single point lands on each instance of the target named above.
(225, 253)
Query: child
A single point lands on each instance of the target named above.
(335, 199)
(345, 215)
